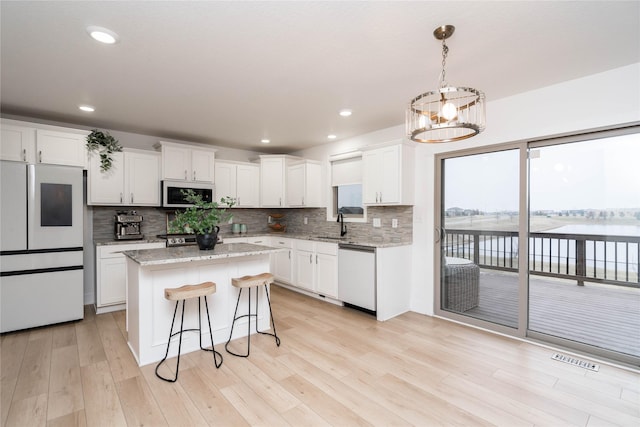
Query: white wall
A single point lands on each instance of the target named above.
(603, 99)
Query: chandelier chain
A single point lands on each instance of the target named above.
(445, 51)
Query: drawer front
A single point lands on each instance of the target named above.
(305, 245)
(327, 248)
(281, 242)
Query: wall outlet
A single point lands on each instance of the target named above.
(306, 220)
(376, 222)
(394, 223)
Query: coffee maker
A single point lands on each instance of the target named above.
(128, 225)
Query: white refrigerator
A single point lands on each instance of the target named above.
(41, 238)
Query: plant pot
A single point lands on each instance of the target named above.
(207, 242)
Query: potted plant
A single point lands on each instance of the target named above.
(202, 218)
(104, 144)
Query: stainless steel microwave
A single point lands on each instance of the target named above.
(173, 197)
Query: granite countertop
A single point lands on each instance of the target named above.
(112, 241)
(180, 254)
(372, 242)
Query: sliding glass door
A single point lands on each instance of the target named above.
(542, 239)
(584, 236)
(479, 248)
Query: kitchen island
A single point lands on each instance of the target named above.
(149, 314)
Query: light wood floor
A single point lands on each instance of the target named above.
(335, 366)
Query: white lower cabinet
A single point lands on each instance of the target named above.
(316, 267)
(305, 264)
(282, 262)
(327, 269)
(111, 274)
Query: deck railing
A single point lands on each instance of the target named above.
(582, 257)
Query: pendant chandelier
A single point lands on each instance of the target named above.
(449, 113)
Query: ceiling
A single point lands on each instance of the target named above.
(232, 73)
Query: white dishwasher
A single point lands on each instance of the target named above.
(357, 276)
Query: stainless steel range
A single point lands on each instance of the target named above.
(179, 239)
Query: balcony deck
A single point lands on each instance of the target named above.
(606, 316)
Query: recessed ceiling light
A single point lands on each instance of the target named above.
(103, 35)
(87, 108)
(345, 113)
(265, 141)
(332, 136)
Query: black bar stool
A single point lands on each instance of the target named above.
(184, 293)
(264, 279)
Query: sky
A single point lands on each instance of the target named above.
(597, 174)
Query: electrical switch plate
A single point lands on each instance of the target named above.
(376, 222)
(394, 223)
(306, 220)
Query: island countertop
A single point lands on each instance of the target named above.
(180, 254)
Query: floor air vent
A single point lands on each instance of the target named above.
(576, 362)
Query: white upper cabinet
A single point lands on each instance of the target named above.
(304, 184)
(187, 163)
(132, 180)
(33, 143)
(105, 188)
(388, 175)
(247, 186)
(273, 180)
(17, 143)
(61, 148)
(240, 181)
(142, 178)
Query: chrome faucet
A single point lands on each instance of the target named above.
(343, 228)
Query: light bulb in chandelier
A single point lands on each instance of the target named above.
(449, 111)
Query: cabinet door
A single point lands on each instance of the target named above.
(327, 275)
(106, 188)
(142, 177)
(176, 163)
(282, 261)
(18, 143)
(272, 183)
(225, 177)
(202, 166)
(390, 172)
(247, 185)
(112, 281)
(313, 185)
(371, 176)
(305, 270)
(60, 148)
(296, 185)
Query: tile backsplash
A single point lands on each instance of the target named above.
(154, 222)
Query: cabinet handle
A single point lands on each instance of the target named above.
(40, 156)
(238, 200)
(310, 258)
(381, 197)
(302, 200)
(185, 175)
(24, 154)
(316, 258)
(280, 201)
(289, 254)
(131, 197)
(194, 175)
(120, 197)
